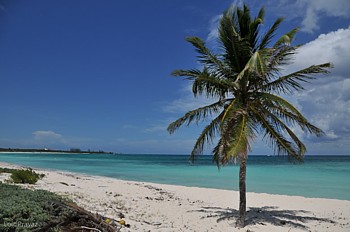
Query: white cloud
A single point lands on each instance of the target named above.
(314, 8)
(46, 138)
(51, 139)
(310, 11)
(332, 47)
(46, 135)
(327, 101)
(213, 28)
(310, 21)
(328, 106)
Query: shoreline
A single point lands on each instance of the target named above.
(149, 182)
(51, 152)
(48, 151)
(160, 207)
(71, 173)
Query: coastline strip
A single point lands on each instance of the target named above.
(160, 207)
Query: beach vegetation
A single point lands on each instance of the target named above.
(25, 176)
(6, 170)
(26, 210)
(244, 77)
(39, 210)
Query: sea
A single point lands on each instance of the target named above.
(316, 177)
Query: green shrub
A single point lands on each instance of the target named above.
(6, 170)
(27, 176)
(27, 210)
(24, 210)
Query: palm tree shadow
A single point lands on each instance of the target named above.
(265, 215)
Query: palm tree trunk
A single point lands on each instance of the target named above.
(242, 191)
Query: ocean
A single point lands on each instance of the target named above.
(318, 176)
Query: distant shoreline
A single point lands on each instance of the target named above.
(72, 151)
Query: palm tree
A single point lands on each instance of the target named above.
(245, 79)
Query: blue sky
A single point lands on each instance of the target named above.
(96, 74)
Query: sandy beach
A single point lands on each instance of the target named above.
(159, 207)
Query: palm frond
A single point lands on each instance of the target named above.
(286, 39)
(244, 20)
(210, 85)
(195, 115)
(206, 136)
(288, 112)
(273, 135)
(207, 58)
(237, 50)
(204, 82)
(239, 142)
(235, 134)
(190, 73)
(256, 64)
(266, 39)
(254, 29)
(278, 57)
(279, 123)
(231, 109)
(300, 145)
(280, 54)
(291, 82)
(219, 152)
(297, 119)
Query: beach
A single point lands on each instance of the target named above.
(161, 207)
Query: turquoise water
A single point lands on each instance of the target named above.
(318, 176)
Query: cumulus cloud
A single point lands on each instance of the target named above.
(45, 138)
(52, 139)
(39, 135)
(328, 106)
(327, 101)
(310, 11)
(314, 8)
(333, 47)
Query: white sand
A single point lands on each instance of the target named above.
(158, 207)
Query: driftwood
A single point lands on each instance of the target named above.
(70, 217)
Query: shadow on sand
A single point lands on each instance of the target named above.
(265, 215)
